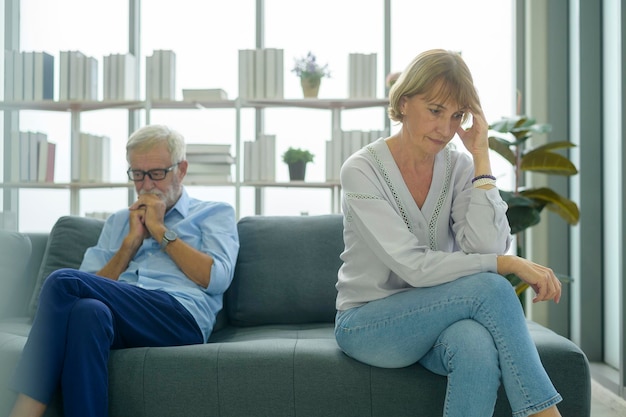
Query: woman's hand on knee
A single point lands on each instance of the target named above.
(542, 279)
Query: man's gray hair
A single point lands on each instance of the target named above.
(147, 137)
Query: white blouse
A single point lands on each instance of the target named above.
(391, 245)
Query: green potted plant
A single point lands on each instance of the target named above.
(296, 159)
(310, 73)
(508, 138)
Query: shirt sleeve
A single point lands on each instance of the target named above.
(377, 222)
(220, 240)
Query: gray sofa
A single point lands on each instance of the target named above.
(273, 352)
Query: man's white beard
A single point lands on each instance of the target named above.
(169, 197)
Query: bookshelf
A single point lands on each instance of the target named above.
(139, 113)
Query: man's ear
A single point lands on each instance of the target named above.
(182, 168)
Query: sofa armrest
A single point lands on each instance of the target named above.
(20, 258)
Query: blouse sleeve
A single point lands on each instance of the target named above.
(478, 217)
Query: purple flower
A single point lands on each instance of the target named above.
(307, 67)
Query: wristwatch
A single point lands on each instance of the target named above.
(168, 237)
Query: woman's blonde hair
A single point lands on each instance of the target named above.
(439, 75)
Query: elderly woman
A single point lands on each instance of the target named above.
(425, 234)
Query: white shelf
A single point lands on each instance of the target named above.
(316, 103)
(66, 185)
(291, 184)
(82, 106)
(79, 106)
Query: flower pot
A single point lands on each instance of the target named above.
(297, 170)
(310, 86)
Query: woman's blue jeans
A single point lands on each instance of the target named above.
(472, 330)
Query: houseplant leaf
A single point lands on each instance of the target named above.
(567, 209)
(501, 146)
(548, 163)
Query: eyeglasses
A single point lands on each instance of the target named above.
(154, 174)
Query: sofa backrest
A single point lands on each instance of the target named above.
(285, 273)
(68, 240)
(286, 270)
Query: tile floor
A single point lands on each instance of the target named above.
(606, 404)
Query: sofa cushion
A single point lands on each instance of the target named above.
(286, 270)
(68, 240)
(15, 250)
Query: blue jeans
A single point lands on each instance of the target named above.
(471, 330)
(80, 318)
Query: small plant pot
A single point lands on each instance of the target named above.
(297, 170)
(310, 87)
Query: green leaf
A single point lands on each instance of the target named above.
(501, 147)
(564, 207)
(551, 146)
(522, 217)
(547, 163)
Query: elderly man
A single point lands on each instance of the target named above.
(155, 278)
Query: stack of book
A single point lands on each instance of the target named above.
(209, 163)
(261, 73)
(94, 163)
(362, 75)
(28, 76)
(204, 94)
(344, 144)
(259, 159)
(119, 77)
(78, 76)
(33, 157)
(161, 75)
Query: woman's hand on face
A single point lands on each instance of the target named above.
(542, 279)
(476, 137)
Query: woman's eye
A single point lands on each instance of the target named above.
(459, 115)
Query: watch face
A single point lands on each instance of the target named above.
(170, 235)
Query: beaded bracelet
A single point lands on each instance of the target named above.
(480, 177)
(483, 181)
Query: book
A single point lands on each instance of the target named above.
(24, 156)
(50, 164)
(217, 158)
(269, 72)
(76, 75)
(29, 75)
(42, 159)
(267, 157)
(153, 76)
(204, 94)
(126, 66)
(168, 75)
(18, 76)
(207, 178)
(16, 161)
(207, 148)
(90, 89)
(246, 73)
(259, 73)
(64, 75)
(43, 76)
(200, 168)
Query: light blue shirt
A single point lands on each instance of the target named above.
(209, 227)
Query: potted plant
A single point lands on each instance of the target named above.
(310, 73)
(508, 138)
(296, 159)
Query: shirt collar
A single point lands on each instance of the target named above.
(182, 205)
